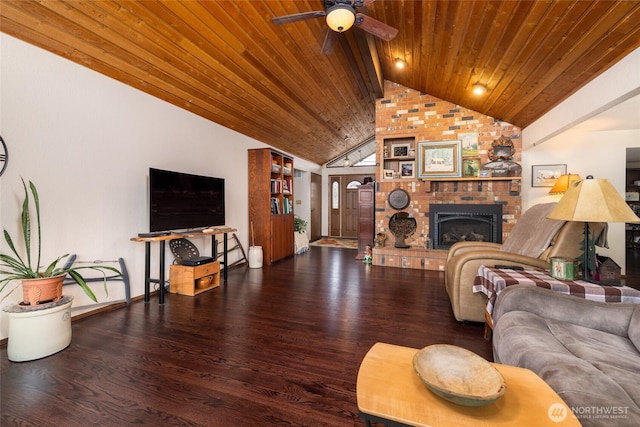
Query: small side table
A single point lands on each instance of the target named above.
(389, 391)
(491, 281)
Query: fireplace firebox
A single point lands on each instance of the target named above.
(451, 223)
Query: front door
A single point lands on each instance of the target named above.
(343, 205)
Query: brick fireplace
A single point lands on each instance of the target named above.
(403, 113)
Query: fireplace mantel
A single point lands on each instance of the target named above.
(475, 178)
(514, 181)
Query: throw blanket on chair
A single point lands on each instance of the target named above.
(533, 233)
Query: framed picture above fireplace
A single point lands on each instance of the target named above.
(439, 159)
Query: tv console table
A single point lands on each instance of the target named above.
(213, 231)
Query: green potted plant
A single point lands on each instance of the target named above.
(39, 285)
(299, 224)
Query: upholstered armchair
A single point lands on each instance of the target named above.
(531, 244)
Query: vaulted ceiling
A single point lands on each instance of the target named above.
(227, 62)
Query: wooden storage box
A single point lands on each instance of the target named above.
(183, 279)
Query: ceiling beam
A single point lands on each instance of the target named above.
(371, 60)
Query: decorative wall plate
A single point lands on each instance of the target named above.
(398, 199)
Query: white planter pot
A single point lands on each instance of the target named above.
(36, 332)
(255, 256)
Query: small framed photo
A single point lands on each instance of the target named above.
(485, 173)
(546, 175)
(388, 173)
(470, 168)
(469, 143)
(439, 159)
(400, 150)
(407, 169)
(632, 196)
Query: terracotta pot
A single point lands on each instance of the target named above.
(42, 290)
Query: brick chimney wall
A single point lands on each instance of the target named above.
(404, 112)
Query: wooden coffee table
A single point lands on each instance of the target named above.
(390, 392)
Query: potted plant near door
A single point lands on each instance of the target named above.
(39, 285)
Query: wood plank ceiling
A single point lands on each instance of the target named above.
(227, 62)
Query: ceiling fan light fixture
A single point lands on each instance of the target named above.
(400, 63)
(340, 17)
(479, 89)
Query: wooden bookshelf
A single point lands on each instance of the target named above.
(271, 203)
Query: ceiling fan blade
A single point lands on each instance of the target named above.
(375, 27)
(298, 17)
(366, 3)
(329, 42)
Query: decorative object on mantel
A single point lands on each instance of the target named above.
(402, 225)
(500, 154)
(592, 200)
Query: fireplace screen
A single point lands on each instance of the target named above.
(453, 223)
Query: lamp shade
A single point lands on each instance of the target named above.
(340, 17)
(563, 182)
(593, 200)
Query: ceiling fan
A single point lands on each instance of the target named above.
(341, 15)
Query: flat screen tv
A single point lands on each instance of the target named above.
(181, 201)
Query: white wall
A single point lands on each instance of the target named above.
(601, 154)
(302, 189)
(87, 142)
(553, 140)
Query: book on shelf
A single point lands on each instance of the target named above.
(276, 186)
(287, 206)
(275, 206)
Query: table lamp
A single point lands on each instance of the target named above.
(563, 183)
(592, 200)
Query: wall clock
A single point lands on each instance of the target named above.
(4, 156)
(398, 199)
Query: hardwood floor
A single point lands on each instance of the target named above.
(274, 346)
